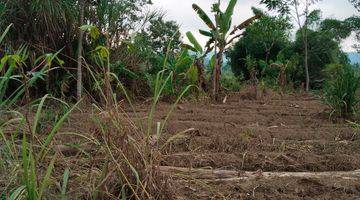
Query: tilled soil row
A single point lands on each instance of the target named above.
(289, 134)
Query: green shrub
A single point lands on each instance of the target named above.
(340, 91)
(230, 81)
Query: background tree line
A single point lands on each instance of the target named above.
(136, 35)
(269, 40)
(98, 44)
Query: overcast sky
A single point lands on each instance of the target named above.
(181, 12)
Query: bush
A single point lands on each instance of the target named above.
(230, 82)
(341, 87)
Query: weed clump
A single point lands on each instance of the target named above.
(341, 87)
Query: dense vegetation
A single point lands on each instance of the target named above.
(56, 53)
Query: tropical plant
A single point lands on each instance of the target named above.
(221, 36)
(12, 66)
(51, 25)
(198, 61)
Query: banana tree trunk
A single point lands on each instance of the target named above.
(201, 74)
(217, 74)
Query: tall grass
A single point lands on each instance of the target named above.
(341, 89)
(28, 157)
(117, 160)
(132, 144)
(12, 65)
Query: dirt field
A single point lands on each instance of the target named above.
(254, 149)
(277, 134)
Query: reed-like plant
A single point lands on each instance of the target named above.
(28, 157)
(11, 65)
(126, 149)
(341, 87)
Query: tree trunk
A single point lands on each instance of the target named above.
(80, 49)
(217, 75)
(306, 61)
(201, 74)
(305, 42)
(217, 64)
(214, 76)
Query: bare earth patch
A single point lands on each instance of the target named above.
(254, 143)
(277, 134)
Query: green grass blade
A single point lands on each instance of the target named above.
(5, 32)
(65, 182)
(33, 189)
(38, 114)
(173, 106)
(7, 144)
(18, 193)
(46, 179)
(54, 130)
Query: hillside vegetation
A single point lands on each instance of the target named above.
(105, 100)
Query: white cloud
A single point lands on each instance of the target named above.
(182, 12)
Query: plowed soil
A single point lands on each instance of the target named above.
(292, 133)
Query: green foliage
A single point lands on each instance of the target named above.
(230, 81)
(196, 46)
(268, 37)
(32, 183)
(340, 91)
(93, 31)
(262, 40)
(12, 65)
(183, 71)
(206, 19)
(220, 36)
(160, 32)
(354, 23)
(356, 3)
(323, 49)
(221, 32)
(54, 25)
(337, 29)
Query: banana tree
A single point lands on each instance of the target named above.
(221, 34)
(198, 62)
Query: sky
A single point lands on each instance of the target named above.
(181, 12)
